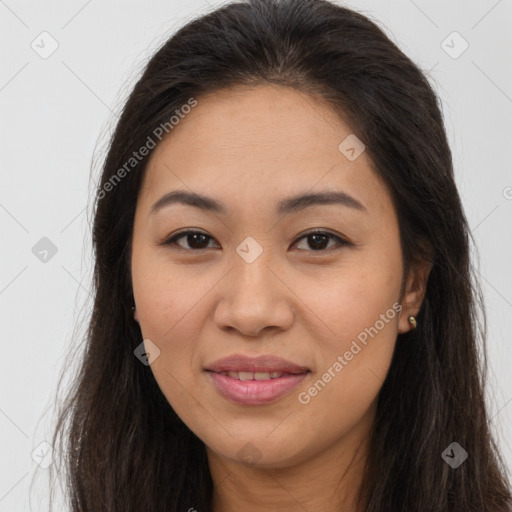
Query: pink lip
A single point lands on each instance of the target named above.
(255, 392)
(264, 363)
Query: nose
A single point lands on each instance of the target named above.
(254, 298)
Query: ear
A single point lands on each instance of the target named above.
(415, 289)
(135, 315)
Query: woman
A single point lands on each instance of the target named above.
(285, 312)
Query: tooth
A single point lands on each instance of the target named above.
(233, 375)
(275, 375)
(245, 375)
(261, 375)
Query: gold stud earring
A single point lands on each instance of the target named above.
(412, 321)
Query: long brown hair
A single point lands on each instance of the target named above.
(123, 447)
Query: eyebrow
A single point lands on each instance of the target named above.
(289, 205)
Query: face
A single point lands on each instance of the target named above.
(317, 284)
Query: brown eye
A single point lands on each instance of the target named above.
(196, 240)
(318, 240)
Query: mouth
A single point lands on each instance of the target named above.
(260, 380)
(254, 391)
(263, 367)
(246, 376)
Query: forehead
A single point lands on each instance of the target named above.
(252, 144)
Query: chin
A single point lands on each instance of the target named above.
(259, 451)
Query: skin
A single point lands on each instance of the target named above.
(251, 148)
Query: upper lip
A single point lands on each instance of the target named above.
(264, 363)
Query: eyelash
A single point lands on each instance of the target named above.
(172, 241)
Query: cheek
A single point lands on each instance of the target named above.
(158, 313)
(354, 363)
(172, 306)
(361, 310)
(167, 296)
(169, 311)
(354, 301)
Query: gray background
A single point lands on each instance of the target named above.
(56, 113)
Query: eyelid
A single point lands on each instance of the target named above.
(341, 241)
(171, 240)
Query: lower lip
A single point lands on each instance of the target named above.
(255, 392)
